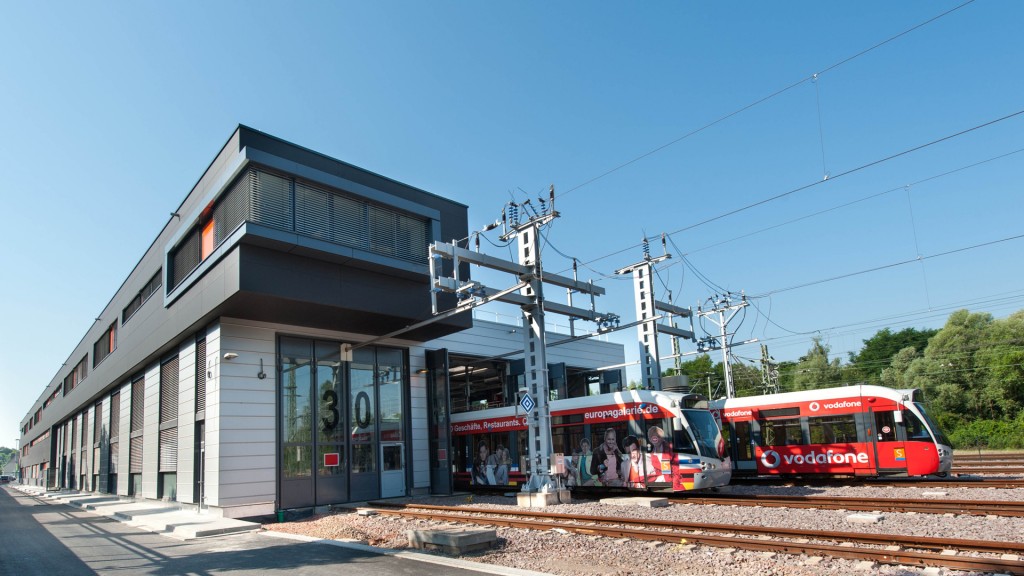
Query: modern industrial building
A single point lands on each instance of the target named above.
(241, 367)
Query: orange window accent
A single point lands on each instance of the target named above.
(207, 239)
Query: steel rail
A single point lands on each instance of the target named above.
(1008, 456)
(883, 556)
(897, 482)
(971, 507)
(917, 542)
(984, 469)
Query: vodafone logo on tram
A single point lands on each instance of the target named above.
(772, 459)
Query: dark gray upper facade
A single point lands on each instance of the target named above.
(271, 232)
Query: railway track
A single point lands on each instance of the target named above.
(1014, 457)
(903, 550)
(938, 483)
(918, 505)
(983, 469)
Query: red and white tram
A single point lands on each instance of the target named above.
(858, 430)
(636, 439)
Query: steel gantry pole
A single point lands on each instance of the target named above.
(647, 308)
(535, 353)
(721, 341)
(528, 294)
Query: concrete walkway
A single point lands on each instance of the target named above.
(162, 518)
(168, 520)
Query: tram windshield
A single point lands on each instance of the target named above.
(705, 431)
(940, 438)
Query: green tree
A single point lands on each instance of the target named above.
(746, 379)
(5, 455)
(815, 370)
(1000, 363)
(947, 372)
(895, 375)
(879, 351)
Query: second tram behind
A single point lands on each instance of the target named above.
(858, 430)
(634, 439)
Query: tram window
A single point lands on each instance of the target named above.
(565, 439)
(832, 429)
(657, 439)
(885, 426)
(743, 447)
(683, 443)
(781, 432)
(916, 430)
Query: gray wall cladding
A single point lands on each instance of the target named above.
(318, 288)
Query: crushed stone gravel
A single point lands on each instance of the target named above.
(567, 554)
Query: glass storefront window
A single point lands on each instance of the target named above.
(330, 392)
(361, 397)
(296, 462)
(390, 375)
(363, 458)
(295, 373)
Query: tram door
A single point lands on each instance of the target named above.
(741, 444)
(890, 452)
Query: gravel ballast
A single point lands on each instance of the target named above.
(568, 554)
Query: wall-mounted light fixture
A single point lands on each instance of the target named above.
(423, 371)
(230, 356)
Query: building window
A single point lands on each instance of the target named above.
(201, 378)
(285, 203)
(168, 440)
(112, 452)
(135, 446)
(103, 347)
(78, 373)
(147, 291)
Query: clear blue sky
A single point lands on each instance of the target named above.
(109, 113)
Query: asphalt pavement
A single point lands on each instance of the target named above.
(71, 534)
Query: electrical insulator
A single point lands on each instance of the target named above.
(647, 249)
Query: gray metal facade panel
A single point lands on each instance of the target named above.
(154, 330)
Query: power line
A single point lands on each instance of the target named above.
(886, 322)
(892, 265)
(848, 172)
(857, 201)
(818, 182)
(764, 99)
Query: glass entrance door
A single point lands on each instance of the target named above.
(342, 424)
(313, 468)
(295, 384)
(331, 479)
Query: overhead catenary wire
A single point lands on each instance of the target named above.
(764, 99)
(905, 319)
(819, 182)
(856, 201)
(891, 265)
